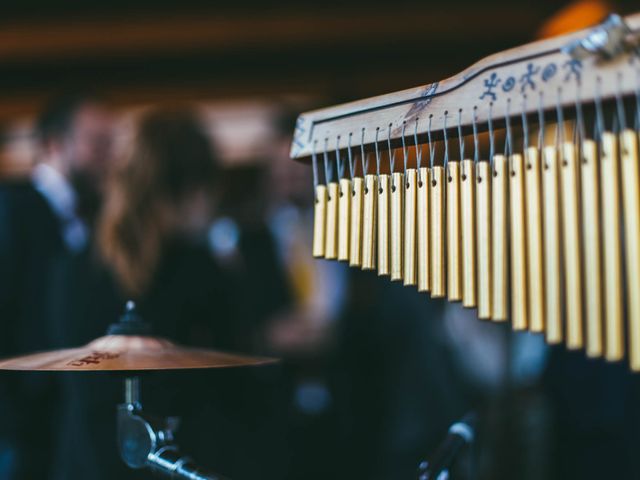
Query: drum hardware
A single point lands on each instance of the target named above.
(143, 441)
(459, 435)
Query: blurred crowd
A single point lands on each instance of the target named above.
(373, 373)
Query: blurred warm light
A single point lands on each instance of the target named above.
(575, 16)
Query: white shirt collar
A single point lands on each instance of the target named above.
(62, 199)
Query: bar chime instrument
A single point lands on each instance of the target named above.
(526, 203)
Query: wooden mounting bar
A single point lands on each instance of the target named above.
(535, 77)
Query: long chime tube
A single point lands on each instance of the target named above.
(331, 242)
(631, 207)
(569, 194)
(609, 175)
(454, 262)
(519, 301)
(552, 258)
(384, 197)
(369, 222)
(437, 224)
(483, 223)
(410, 274)
(344, 220)
(319, 221)
(590, 191)
(468, 200)
(355, 234)
(535, 270)
(397, 229)
(499, 238)
(423, 214)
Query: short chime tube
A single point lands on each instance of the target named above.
(551, 229)
(535, 271)
(410, 274)
(468, 199)
(423, 234)
(397, 228)
(331, 243)
(369, 222)
(437, 225)
(483, 225)
(609, 175)
(357, 208)
(454, 263)
(499, 237)
(569, 194)
(590, 191)
(631, 207)
(319, 220)
(384, 196)
(519, 303)
(344, 219)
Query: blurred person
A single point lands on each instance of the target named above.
(152, 241)
(43, 219)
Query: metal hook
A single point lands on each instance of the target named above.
(508, 146)
(622, 119)
(560, 118)
(377, 152)
(365, 162)
(328, 173)
(432, 148)
(540, 122)
(525, 123)
(404, 149)
(476, 148)
(314, 164)
(460, 137)
(350, 157)
(492, 149)
(600, 126)
(446, 142)
(392, 157)
(418, 152)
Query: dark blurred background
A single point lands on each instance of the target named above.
(373, 373)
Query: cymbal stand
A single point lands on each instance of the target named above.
(145, 442)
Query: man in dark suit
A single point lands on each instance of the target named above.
(43, 219)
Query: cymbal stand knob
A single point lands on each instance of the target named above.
(145, 442)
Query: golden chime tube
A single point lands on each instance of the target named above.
(410, 274)
(499, 237)
(344, 219)
(437, 225)
(590, 191)
(369, 222)
(331, 243)
(397, 229)
(468, 199)
(519, 304)
(631, 207)
(454, 263)
(384, 196)
(535, 271)
(609, 175)
(319, 220)
(551, 222)
(483, 224)
(572, 246)
(423, 214)
(357, 207)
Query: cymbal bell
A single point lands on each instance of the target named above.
(129, 353)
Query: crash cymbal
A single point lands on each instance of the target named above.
(129, 353)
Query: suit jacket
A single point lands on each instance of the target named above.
(31, 249)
